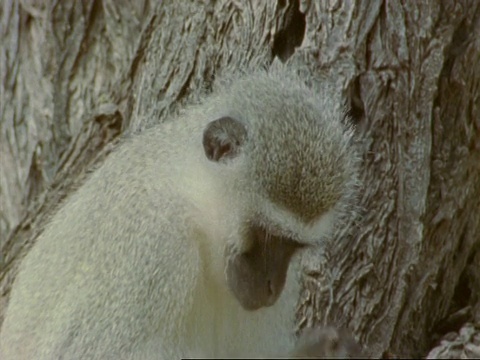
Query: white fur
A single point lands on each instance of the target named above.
(133, 266)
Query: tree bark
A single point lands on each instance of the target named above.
(78, 74)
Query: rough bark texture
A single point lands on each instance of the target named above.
(77, 74)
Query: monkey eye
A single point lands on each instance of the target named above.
(300, 245)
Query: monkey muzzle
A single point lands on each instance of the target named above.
(256, 277)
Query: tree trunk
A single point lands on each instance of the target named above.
(77, 74)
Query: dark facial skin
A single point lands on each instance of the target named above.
(257, 277)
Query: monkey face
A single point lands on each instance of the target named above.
(256, 277)
(296, 189)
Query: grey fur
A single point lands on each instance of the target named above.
(132, 266)
(319, 168)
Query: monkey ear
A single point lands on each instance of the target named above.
(223, 138)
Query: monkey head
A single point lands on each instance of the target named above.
(293, 167)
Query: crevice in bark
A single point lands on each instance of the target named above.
(465, 297)
(145, 39)
(356, 110)
(457, 46)
(291, 31)
(460, 309)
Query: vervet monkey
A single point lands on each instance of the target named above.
(179, 245)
